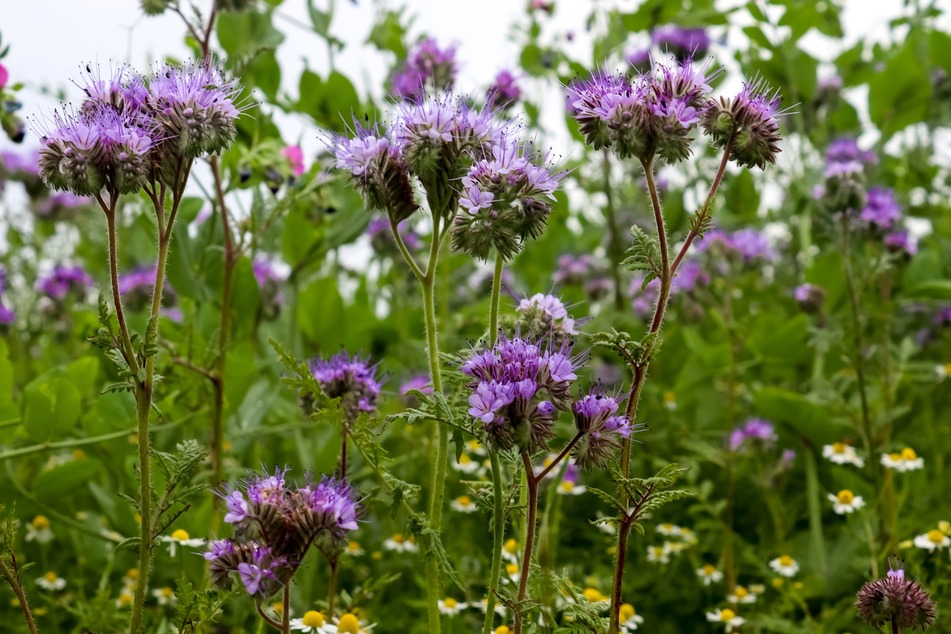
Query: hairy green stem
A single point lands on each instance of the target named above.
(532, 482)
(286, 611)
(332, 587)
(13, 579)
(126, 343)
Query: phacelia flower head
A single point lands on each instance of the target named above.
(195, 106)
(844, 188)
(809, 297)
(901, 243)
(755, 429)
(504, 91)
(516, 387)
(751, 120)
(881, 210)
(749, 244)
(65, 280)
(378, 170)
(546, 315)
(505, 200)
(351, 379)
(270, 283)
(896, 600)
(427, 67)
(600, 427)
(681, 42)
(847, 150)
(275, 523)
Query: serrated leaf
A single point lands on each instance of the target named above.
(643, 254)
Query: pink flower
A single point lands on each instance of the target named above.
(4, 76)
(295, 156)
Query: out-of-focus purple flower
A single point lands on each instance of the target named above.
(382, 240)
(901, 243)
(749, 244)
(351, 379)
(754, 429)
(881, 209)
(689, 275)
(504, 91)
(544, 315)
(809, 297)
(4, 76)
(65, 280)
(516, 386)
(295, 158)
(639, 58)
(270, 283)
(846, 150)
(136, 288)
(942, 317)
(600, 427)
(586, 271)
(543, 5)
(17, 165)
(787, 459)
(681, 42)
(6, 315)
(427, 66)
(59, 205)
(420, 383)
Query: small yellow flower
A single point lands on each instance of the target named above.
(353, 548)
(39, 530)
(785, 566)
(593, 594)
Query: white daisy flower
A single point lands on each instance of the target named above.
(785, 566)
(728, 617)
(570, 487)
(512, 572)
(669, 530)
(400, 544)
(181, 538)
(350, 624)
(629, 618)
(906, 460)
(842, 453)
(125, 598)
(50, 581)
(846, 502)
(689, 537)
(353, 549)
(130, 578)
(943, 371)
(451, 607)
(39, 530)
(510, 551)
(605, 527)
(670, 400)
(475, 447)
(314, 622)
(932, 540)
(463, 504)
(659, 554)
(709, 574)
(550, 458)
(741, 595)
(466, 464)
(164, 596)
(484, 605)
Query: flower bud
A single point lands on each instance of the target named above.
(153, 7)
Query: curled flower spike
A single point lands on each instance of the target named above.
(351, 379)
(427, 66)
(601, 430)
(897, 600)
(543, 315)
(750, 120)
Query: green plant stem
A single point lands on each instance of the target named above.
(895, 629)
(286, 612)
(332, 587)
(276, 625)
(637, 384)
(126, 340)
(498, 509)
(872, 549)
(14, 581)
(532, 482)
(614, 245)
(77, 442)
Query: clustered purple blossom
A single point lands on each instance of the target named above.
(506, 199)
(681, 42)
(586, 271)
(6, 315)
(65, 280)
(749, 244)
(544, 315)
(847, 150)
(275, 524)
(131, 130)
(600, 427)
(895, 600)
(351, 379)
(517, 385)
(901, 243)
(270, 283)
(809, 297)
(748, 124)
(381, 235)
(755, 429)
(136, 286)
(690, 274)
(427, 66)
(59, 204)
(504, 91)
(881, 210)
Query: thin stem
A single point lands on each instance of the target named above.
(276, 625)
(332, 587)
(666, 274)
(564, 452)
(614, 246)
(286, 612)
(418, 272)
(343, 451)
(708, 203)
(895, 629)
(14, 581)
(494, 304)
(76, 442)
(532, 482)
(127, 350)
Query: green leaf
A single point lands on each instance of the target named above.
(84, 374)
(388, 34)
(900, 94)
(6, 377)
(243, 34)
(643, 254)
(50, 408)
(51, 485)
(810, 419)
(320, 312)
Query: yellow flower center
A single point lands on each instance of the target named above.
(126, 598)
(727, 615)
(845, 496)
(464, 500)
(626, 611)
(180, 535)
(945, 527)
(398, 538)
(464, 459)
(511, 569)
(278, 607)
(51, 577)
(502, 629)
(78, 454)
(450, 603)
(670, 397)
(785, 561)
(510, 547)
(667, 527)
(166, 592)
(592, 594)
(709, 570)
(40, 522)
(947, 368)
(838, 447)
(740, 592)
(935, 536)
(908, 453)
(474, 445)
(895, 457)
(353, 546)
(567, 485)
(348, 624)
(313, 618)
(133, 573)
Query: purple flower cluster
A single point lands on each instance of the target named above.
(600, 427)
(136, 286)
(754, 430)
(6, 315)
(427, 66)
(748, 244)
(131, 130)
(59, 205)
(504, 92)
(270, 283)
(351, 379)
(65, 280)
(895, 600)
(881, 210)
(381, 236)
(653, 114)
(644, 298)
(506, 199)
(809, 297)
(545, 316)
(847, 150)
(682, 43)
(275, 525)
(586, 271)
(750, 120)
(901, 243)
(516, 387)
